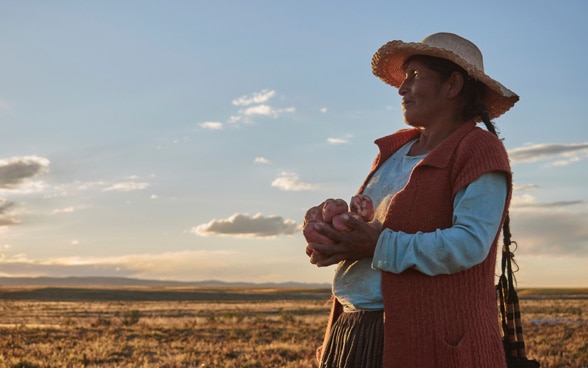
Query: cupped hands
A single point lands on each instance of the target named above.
(352, 245)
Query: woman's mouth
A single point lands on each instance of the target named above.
(406, 103)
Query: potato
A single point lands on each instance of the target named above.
(313, 236)
(329, 213)
(339, 225)
(314, 214)
(333, 207)
(363, 206)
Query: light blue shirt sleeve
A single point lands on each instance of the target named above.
(477, 213)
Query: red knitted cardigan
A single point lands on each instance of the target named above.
(446, 321)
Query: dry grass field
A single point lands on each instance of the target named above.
(173, 327)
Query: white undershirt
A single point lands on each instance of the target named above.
(477, 213)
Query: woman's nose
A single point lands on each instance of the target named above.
(402, 88)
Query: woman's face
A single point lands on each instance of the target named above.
(422, 100)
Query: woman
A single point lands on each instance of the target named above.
(442, 190)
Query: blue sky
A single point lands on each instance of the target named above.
(184, 140)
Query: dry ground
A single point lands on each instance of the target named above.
(166, 327)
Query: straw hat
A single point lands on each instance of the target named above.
(387, 65)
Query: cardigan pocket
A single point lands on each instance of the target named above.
(454, 354)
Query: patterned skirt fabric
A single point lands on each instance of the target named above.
(356, 341)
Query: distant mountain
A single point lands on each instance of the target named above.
(124, 281)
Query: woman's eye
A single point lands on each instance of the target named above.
(412, 74)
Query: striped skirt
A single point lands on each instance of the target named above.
(356, 341)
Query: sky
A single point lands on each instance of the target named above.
(184, 140)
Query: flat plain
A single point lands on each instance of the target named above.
(224, 327)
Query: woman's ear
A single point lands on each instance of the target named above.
(455, 84)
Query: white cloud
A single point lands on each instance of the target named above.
(211, 125)
(522, 200)
(261, 160)
(264, 110)
(256, 98)
(247, 226)
(63, 210)
(323, 110)
(235, 119)
(340, 140)
(290, 182)
(126, 186)
(73, 188)
(571, 152)
(337, 140)
(566, 162)
(256, 105)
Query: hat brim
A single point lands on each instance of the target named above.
(388, 61)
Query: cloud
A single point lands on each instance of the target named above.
(266, 110)
(340, 140)
(16, 172)
(126, 186)
(75, 188)
(211, 125)
(63, 210)
(550, 229)
(546, 205)
(247, 226)
(571, 152)
(323, 110)
(525, 187)
(261, 160)
(6, 216)
(256, 105)
(256, 98)
(566, 162)
(290, 182)
(253, 105)
(5, 205)
(235, 119)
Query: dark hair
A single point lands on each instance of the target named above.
(473, 90)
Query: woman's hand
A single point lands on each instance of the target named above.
(356, 244)
(313, 255)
